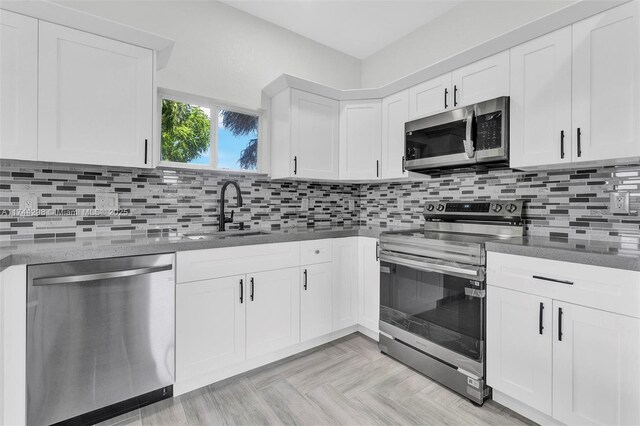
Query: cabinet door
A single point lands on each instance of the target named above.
(210, 325)
(482, 80)
(430, 97)
(273, 311)
(18, 86)
(315, 122)
(95, 101)
(368, 284)
(596, 366)
(540, 104)
(345, 282)
(606, 90)
(360, 139)
(518, 350)
(395, 113)
(315, 301)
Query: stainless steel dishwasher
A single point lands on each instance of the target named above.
(100, 337)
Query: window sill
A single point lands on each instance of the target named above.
(206, 167)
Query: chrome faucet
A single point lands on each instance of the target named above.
(223, 220)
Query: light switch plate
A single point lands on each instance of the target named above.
(107, 201)
(28, 202)
(352, 205)
(619, 203)
(305, 204)
(400, 203)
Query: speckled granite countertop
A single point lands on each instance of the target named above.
(597, 253)
(61, 250)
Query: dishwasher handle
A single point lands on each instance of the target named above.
(68, 279)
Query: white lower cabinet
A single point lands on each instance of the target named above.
(210, 325)
(369, 284)
(345, 282)
(315, 301)
(273, 311)
(578, 364)
(519, 338)
(596, 366)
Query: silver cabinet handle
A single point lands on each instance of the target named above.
(67, 279)
(469, 145)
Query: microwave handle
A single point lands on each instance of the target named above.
(469, 145)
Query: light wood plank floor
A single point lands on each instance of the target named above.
(346, 382)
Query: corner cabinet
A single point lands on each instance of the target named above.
(575, 93)
(563, 340)
(95, 99)
(18, 86)
(304, 136)
(360, 139)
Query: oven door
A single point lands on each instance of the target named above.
(438, 308)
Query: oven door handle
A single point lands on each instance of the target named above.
(429, 266)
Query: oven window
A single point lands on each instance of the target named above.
(436, 141)
(433, 306)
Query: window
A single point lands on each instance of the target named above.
(202, 134)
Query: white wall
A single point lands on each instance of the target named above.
(226, 54)
(461, 28)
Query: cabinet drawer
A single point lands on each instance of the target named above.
(223, 262)
(609, 289)
(315, 251)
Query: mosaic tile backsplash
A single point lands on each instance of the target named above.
(563, 204)
(571, 204)
(159, 201)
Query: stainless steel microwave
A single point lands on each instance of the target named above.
(475, 136)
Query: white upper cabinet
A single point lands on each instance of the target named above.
(482, 80)
(360, 139)
(606, 86)
(18, 86)
(596, 366)
(578, 88)
(304, 135)
(95, 101)
(540, 105)
(430, 97)
(395, 113)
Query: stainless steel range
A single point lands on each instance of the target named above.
(432, 289)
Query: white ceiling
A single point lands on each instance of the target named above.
(356, 27)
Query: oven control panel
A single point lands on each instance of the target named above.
(490, 209)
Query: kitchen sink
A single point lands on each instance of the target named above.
(223, 234)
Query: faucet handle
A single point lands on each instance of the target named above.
(231, 220)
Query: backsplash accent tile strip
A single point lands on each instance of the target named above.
(571, 204)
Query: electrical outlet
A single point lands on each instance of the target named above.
(400, 203)
(619, 203)
(305, 204)
(28, 202)
(107, 201)
(352, 205)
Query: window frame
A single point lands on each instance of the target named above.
(215, 106)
